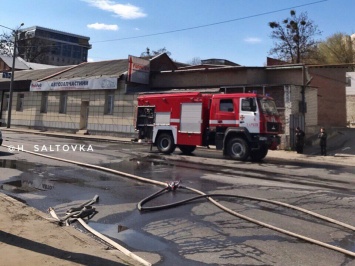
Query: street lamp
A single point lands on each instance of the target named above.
(15, 32)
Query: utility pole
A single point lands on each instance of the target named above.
(15, 32)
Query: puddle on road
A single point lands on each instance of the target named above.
(19, 165)
(8, 164)
(155, 169)
(129, 237)
(347, 243)
(137, 166)
(27, 185)
(32, 180)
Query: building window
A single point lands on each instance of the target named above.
(85, 55)
(226, 105)
(5, 102)
(76, 52)
(109, 100)
(63, 102)
(44, 102)
(249, 105)
(19, 105)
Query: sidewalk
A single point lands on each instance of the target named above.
(65, 135)
(26, 236)
(338, 158)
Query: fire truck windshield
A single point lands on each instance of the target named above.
(267, 106)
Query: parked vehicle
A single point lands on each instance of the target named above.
(243, 125)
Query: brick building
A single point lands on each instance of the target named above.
(330, 81)
(306, 96)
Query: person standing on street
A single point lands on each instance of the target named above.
(323, 141)
(299, 140)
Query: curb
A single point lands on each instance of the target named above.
(69, 135)
(285, 155)
(344, 155)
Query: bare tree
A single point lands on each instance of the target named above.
(294, 38)
(35, 50)
(6, 44)
(30, 49)
(194, 61)
(149, 53)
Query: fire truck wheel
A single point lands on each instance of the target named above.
(165, 143)
(259, 154)
(238, 149)
(187, 149)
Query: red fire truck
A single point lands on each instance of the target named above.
(243, 125)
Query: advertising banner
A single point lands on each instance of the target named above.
(75, 84)
(138, 70)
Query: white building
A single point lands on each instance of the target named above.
(350, 97)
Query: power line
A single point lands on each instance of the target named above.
(211, 24)
(58, 45)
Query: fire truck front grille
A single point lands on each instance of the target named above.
(272, 127)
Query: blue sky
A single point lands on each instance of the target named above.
(115, 27)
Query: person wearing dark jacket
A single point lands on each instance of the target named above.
(323, 141)
(299, 140)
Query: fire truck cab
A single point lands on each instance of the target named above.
(243, 125)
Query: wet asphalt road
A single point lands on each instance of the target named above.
(196, 233)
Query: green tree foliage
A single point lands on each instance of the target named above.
(294, 38)
(339, 48)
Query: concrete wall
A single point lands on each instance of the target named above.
(119, 123)
(208, 78)
(285, 75)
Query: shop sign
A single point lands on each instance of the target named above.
(75, 84)
(138, 70)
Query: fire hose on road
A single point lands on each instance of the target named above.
(86, 210)
(174, 185)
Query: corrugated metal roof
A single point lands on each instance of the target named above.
(36, 66)
(35, 74)
(112, 68)
(19, 64)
